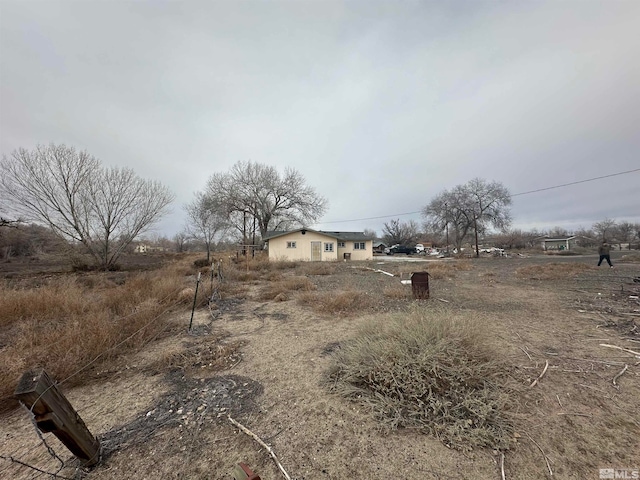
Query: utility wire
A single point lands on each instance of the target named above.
(514, 195)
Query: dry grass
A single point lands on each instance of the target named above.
(437, 270)
(65, 324)
(317, 268)
(553, 271)
(431, 370)
(342, 303)
(631, 257)
(281, 290)
(398, 292)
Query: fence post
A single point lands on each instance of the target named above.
(195, 298)
(53, 413)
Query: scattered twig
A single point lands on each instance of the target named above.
(386, 273)
(576, 414)
(546, 459)
(502, 465)
(559, 402)
(264, 445)
(626, 367)
(535, 382)
(526, 353)
(620, 348)
(443, 300)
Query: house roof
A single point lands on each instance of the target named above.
(353, 236)
(563, 239)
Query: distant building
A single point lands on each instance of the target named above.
(564, 243)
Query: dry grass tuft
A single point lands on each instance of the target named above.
(283, 288)
(553, 271)
(431, 370)
(344, 303)
(398, 292)
(317, 268)
(631, 258)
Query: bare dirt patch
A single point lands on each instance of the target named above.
(272, 359)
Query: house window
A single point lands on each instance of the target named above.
(291, 244)
(340, 244)
(328, 247)
(358, 246)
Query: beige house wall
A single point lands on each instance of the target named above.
(366, 254)
(278, 249)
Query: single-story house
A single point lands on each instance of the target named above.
(314, 245)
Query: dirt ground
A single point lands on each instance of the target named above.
(164, 412)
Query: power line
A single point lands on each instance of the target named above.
(514, 195)
(575, 183)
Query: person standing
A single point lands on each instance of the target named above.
(605, 253)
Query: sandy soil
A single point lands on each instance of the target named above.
(155, 422)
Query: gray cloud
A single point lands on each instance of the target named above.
(381, 105)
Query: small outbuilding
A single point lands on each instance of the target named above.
(564, 243)
(305, 244)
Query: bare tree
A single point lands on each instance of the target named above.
(208, 222)
(370, 233)
(605, 226)
(402, 233)
(624, 232)
(104, 209)
(255, 192)
(180, 240)
(471, 207)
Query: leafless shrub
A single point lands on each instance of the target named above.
(430, 370)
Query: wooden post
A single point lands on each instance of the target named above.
(53, 413)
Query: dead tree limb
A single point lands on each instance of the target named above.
(535, 382)
(262, 444)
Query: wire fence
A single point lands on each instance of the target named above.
(31, 458)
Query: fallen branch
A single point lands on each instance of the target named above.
(535, 382)
(502, 466)
(546, 459)
(620, 348)
(559, 402)
(576, 414)
(264, 445)
(626, 367)
(443, 300)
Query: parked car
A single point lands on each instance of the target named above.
(420, 249)
(401, 249)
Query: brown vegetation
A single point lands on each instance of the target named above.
(70, 322)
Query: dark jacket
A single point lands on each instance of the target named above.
(604, 249)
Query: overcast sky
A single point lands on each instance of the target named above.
(381, 105)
